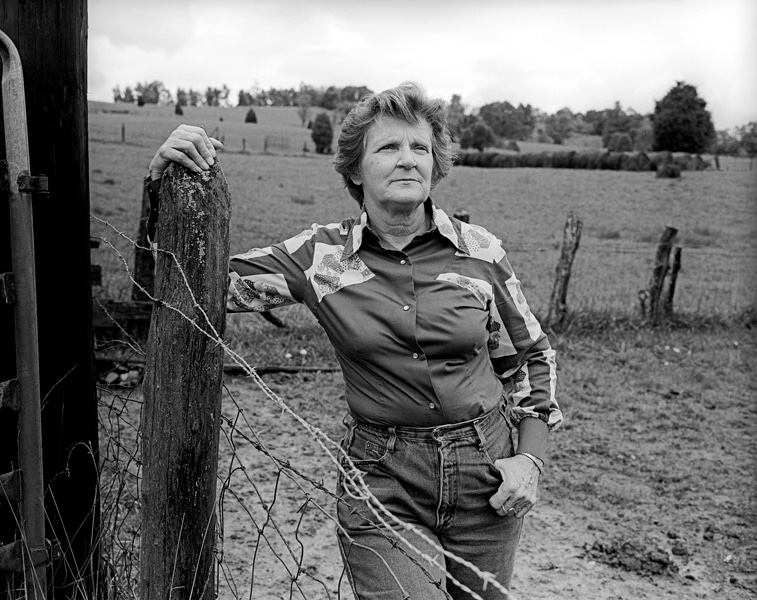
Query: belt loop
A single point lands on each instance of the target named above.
(351, 425)
(481, 437)
(392, 439)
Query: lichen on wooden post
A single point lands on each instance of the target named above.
(558, 306)
(182, 387)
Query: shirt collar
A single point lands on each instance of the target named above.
(449, 228)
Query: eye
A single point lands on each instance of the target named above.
(421, 148)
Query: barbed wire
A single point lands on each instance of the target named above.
(354, 485)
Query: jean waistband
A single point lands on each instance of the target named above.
(463, 429)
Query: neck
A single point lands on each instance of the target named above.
(399, 230)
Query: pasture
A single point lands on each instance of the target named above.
(649, 491)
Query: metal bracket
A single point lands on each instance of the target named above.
(10, 486)
(10, 395)
(35, 184)
(15, 556)
(7, 288)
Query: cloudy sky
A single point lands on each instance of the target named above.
(583, 54)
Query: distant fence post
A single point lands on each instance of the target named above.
(558, 306)
(669, 292)
(123, 132)
(182, 387)
(653, 301)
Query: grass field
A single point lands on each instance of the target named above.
(650, 490)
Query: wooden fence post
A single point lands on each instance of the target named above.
(144, 263)
(654, 294)
(558, 307)
(670, 288)
(183, 387)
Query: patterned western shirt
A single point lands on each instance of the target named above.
(432, 334)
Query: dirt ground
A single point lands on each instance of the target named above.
(649, 491)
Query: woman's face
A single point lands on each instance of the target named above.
(397, 165)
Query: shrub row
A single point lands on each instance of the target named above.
(613, 161)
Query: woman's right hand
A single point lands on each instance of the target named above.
(187, 145)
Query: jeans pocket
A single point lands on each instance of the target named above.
(498, 442)
(366, 449)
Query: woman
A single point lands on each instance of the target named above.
(443, 363)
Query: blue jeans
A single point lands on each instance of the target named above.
(440, 480)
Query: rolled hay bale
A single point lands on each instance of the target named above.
(563, 160)
(642, 159)
(500, 161)
(668, 170)
(684, 161)
(486, 159)
(513, 161)
(630, 162)
(659, 158)
(611, 161)
(595, 160)
(534, 160)
(469, 159)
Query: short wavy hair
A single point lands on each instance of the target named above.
(408, 102)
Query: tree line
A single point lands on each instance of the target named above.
(679, 123)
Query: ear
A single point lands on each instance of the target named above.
(356, 179)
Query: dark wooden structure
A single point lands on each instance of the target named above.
(182, 388)
(51, 38)
(657, 299)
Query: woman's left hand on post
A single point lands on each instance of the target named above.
(187, 145)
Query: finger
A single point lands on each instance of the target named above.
(180, 157)
(205, 146)
(217, 144)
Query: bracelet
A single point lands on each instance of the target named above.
(537, 461)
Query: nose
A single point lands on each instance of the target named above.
(406, 158)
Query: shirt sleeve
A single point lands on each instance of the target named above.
(520, 351)
(270, 277)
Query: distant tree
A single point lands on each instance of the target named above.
(619, 142)
(245, 98)
(323, 133)
(217, 97)
(251, 117)
(150, 92)
(117, 95)
(726, 143)
(329, 98)
(456, 116)
(182, 98)
(560, 125)
(507, 121)
(748, 138)
(178, 110)
(479, 136)
(748, 134)
(304, 102)
(682, 122)
(196, 98)
(643, 135)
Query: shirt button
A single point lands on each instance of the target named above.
(406, 307)
(403, 261)
(415, 355)
(431, 405)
